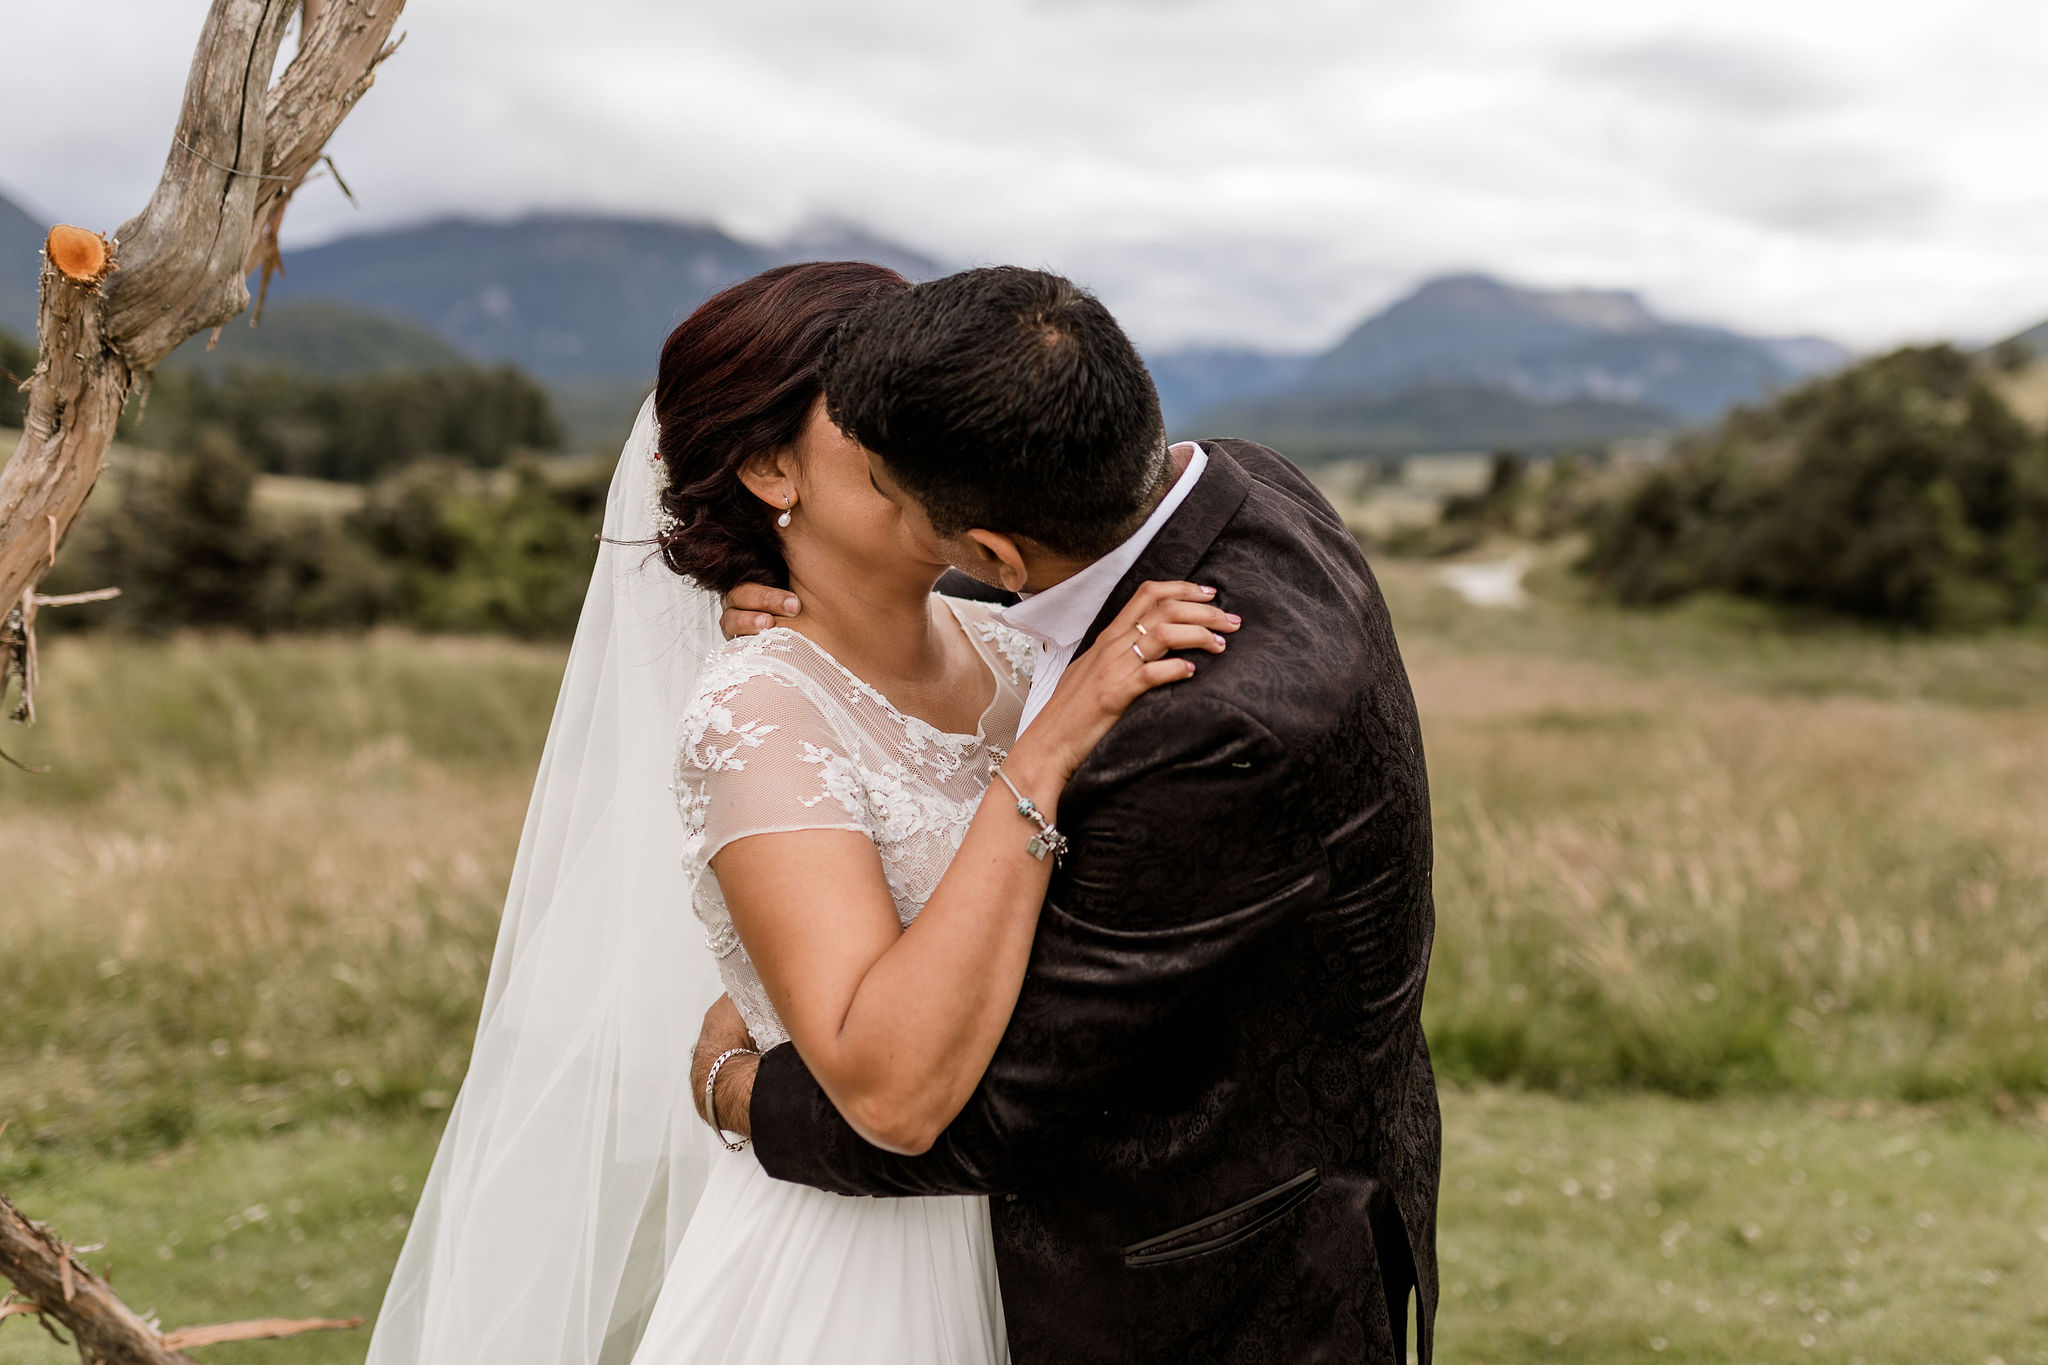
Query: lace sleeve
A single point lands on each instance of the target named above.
(760, 754)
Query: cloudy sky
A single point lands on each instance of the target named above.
(1259, 171)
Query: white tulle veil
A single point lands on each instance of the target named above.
(573, 1156)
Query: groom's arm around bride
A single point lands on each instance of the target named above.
(1210, 1130)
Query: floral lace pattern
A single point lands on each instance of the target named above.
(1019, 651)
(781, 737)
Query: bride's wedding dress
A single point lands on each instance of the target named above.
(781, 737)
(578, 1211)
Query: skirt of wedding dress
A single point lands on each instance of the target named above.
(771, 1272)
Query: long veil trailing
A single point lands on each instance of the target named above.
(573, 1156)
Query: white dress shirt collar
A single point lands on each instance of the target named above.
(1059, 617)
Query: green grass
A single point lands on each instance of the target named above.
(1591, 1231)
(1626, 1229)
(1701, 877)
(305, 1224)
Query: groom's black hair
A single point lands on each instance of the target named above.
(1004, 399)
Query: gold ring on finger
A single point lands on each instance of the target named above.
(1142, 630)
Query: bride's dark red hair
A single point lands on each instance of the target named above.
(738, 378)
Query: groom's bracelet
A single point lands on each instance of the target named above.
(711, 1090)
(1048, 839)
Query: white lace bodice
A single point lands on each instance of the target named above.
(781, 737)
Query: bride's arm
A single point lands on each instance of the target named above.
(898, 1025)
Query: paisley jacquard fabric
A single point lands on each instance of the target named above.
(1212, 1128)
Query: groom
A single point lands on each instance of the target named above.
(1210, 1132)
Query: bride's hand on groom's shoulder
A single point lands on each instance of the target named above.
(754, 607)
(1143, 648)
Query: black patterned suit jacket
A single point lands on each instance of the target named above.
(1211, 1130)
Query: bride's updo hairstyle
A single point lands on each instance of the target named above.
(738, 378)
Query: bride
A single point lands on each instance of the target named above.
(855, 786)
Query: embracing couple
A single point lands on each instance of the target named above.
(1079, 909)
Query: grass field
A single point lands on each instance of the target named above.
(1744, 922)
(1607, 1230)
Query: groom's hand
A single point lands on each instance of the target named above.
(753, 607)
(724, 1030)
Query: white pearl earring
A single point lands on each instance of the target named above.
(783, 520)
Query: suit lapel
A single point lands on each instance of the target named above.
(1186, 537)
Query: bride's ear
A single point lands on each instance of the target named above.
(1002, 558)
(771, 477)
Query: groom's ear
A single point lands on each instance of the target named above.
(1001, 557)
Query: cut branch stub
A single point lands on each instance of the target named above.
(83, 257)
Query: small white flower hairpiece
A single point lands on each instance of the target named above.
(665, 522)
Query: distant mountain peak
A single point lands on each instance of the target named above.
(1557, 345)
(2034, 339)
(1601, 310)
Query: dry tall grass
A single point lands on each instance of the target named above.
(1662, 882)
(261, 884)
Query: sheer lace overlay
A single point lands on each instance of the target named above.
(781, 737)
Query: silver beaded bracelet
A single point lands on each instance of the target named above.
(1048, 839)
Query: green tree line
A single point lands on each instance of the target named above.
(1904, 490)
(351, 429)
(347, 429)
(434, 546)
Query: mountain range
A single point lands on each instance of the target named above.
(21, 244)
(1468, 361)
(583, 301)
(568, 297)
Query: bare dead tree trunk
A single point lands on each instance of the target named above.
(60, 1290)
(110, 313)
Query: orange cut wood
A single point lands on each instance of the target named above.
(83, 256)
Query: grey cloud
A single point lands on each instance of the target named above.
(1742, 80)
(1218, 168)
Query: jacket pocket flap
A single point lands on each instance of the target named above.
(1220, 1230)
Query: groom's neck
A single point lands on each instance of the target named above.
(1049, 569)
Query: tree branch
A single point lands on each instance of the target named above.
(53, 1286)
(112, 310)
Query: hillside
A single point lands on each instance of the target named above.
(21, 263)
(568, 297)
(1551, 345)
(318, 336)
(1467, 361)
(1435, 418)
(2034, 339)
(1197, 379)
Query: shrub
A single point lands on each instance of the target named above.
(17, 362)
(513, 559)
(1902, 490)
(435, 546)
(183, 540)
